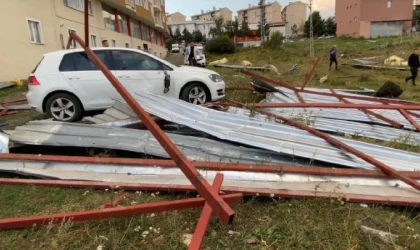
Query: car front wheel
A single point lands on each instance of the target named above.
(196, 93)
(64, 107)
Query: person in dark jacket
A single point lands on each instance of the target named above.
(414, 63)
(333, 57)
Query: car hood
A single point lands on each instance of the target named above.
(189, 69)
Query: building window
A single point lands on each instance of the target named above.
(109, 18)
(78, 5)
(62, 41)
(135, 29)
(153, 34)
(146, 4)
(123, 23)
(35, 31)
(127, 45)
(145, 32)
(389, 3)
(113, 43)
(73, 43)
(93, 40)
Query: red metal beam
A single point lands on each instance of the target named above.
(117, 21)
(69, 42)
(87, 23)
(311, 73)
(288, 194)
(299, 96)
(214, 166)
(337, 143)
(100, 214)
(410, 119)
(364, 98)
(413, 114)
(203, 223)
(336, 106)
(223, 210)
(369, 112)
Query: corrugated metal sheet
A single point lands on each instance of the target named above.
(4, 85)
(272, 136)
(141, 141)
(4, 143)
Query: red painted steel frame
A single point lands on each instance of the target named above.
(223, 210)
(87, 22)
(99, 214)
(371, 99)
(336, 106)
(311, 73)
(215, 166)
(69, 42)
(410, 119)
(369, 112)
(385, 168)
(288, 194)
(201, 228)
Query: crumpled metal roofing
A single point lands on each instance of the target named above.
(49, 133)
(4, 142)
(272, 136)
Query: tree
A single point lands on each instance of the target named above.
(177, 37)
(276, 40)
(330, 26)
(168, 43)
(416, 17)
(197, 36)
(170, 33)
(232, 28)
(318, 23)
(266, 30)
(294, 30)
(245, 30)
(187, 36)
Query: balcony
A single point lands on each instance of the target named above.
(157, 5)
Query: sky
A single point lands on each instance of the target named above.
(192, 7)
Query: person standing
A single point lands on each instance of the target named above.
(189, 55)
(414, 63)
(333, 57)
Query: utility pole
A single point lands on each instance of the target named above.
(262, 22)
(311, 32)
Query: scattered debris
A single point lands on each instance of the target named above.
(378, 67)
(221, 61)
(230, 232)
(395, 61)
(246, 63)
(252, 241)
(187, 238)
(389, 90)
(4, 85)
(323, 79)
(386, 237)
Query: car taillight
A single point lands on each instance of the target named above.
(33, 81)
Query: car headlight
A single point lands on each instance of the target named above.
(215, 78)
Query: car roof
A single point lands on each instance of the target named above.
(68, 51)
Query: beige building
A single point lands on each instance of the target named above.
(212, 15)
(32, 28)
(294, 15)
(175, 17)
(252, 15)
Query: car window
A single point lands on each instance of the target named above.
(129, 60)
(79, 61)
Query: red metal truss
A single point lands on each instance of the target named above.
(311, 73)
(370, 112)
(283, 193)
(364, 98)
(100, 214)
(223, 210)
(410, 119)
(203, 223)
(215, 166)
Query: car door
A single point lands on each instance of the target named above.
(88, 80)
(139, 72)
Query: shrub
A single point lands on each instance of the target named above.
(220, 45)
(275, 41)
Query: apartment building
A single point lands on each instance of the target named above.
(416, 4)
(32, 28)
(175, 17)
(294, 14)
(373, 18)
(212, 15)
(252, 15)
(194, 25)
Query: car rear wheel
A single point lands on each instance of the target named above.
(64, 107)
(195, 93)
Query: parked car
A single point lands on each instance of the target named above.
(66, 83)
(175, 48)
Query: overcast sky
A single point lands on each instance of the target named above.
(192, 7)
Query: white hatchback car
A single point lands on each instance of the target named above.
(66, 83)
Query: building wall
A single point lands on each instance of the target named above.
(252, 15)
(377, 10)
(281, 29)
(295, 13)
(21, 56)
(175, 17)
(225, 13)
(192, 26)
(347, 16)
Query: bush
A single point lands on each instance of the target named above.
(220, 45)
(275, 41)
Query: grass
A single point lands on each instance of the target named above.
(276, 224)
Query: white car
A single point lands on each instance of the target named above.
(66, 83)
(175, 48)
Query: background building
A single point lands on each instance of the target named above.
(175, 17)
(252, 15)
(294, 14)
(212, 15)
(191, 26)
(373, 18)
(43, 26)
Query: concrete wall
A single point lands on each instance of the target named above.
(347, 16)
(273, 14)
(281, 29)
(378, 11)
(295, 13)
(225, 13)
(19, 56)
(175, 17)
(388, 28)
